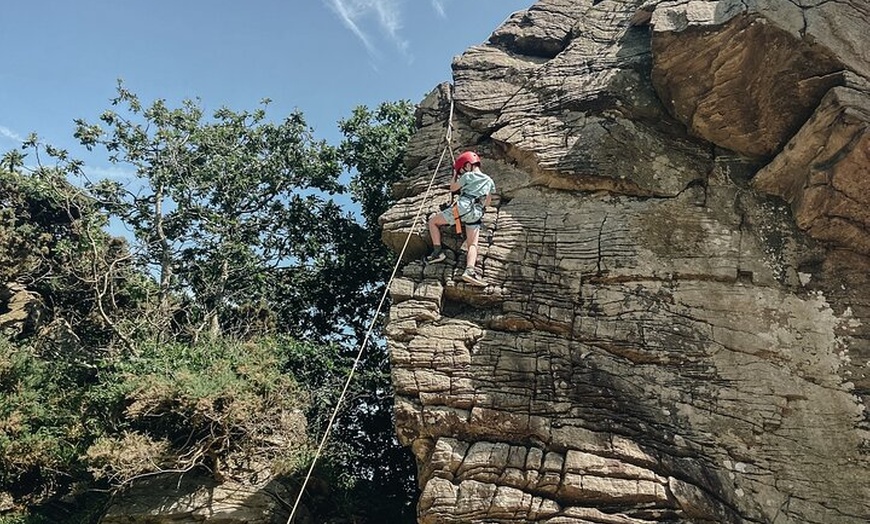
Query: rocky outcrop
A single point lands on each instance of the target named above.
(196, 497)
(823, 171)
(677, 322)
(247, 486)
(20, 310)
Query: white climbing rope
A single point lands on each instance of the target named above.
(447, 149)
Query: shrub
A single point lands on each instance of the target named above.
(224, 405)
(40, 425)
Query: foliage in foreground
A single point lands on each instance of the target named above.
(213, 405)
(170, 407)
(179, 349)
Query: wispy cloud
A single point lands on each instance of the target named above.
(349, 18)
(357, 15)
(438, 6)
(5, 132)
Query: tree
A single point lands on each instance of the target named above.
(52, 244)
(236, 216)
(237, 233)
(224, 211)
(374, 150)
(52, 241)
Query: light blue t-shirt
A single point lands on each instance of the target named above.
(475, 184)
(473, 188)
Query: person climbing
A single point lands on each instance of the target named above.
(475, 190)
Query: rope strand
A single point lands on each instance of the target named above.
(447, 149)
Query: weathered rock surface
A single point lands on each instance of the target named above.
(245, 489)
(677, 326)
(20, 309)
(823, 171)
(199, 498)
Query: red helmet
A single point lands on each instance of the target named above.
(469, 157)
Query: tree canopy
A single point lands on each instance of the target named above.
(251, 269)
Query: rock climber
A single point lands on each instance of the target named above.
(475, 190)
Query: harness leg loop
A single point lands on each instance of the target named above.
(456, 222)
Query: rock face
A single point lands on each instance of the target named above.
(199, 498)
(20, 309)
(677, 326)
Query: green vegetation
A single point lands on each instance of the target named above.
(219, 331)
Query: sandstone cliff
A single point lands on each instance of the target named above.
(677, 326)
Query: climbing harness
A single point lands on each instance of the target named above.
(447, 149)
(456, 222)
(458, 219)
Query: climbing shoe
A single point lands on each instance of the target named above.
(470, 276)
(436, 256)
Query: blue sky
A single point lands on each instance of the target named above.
(61, 59)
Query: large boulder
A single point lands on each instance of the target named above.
(676, 323)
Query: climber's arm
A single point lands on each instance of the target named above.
(455, 186)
